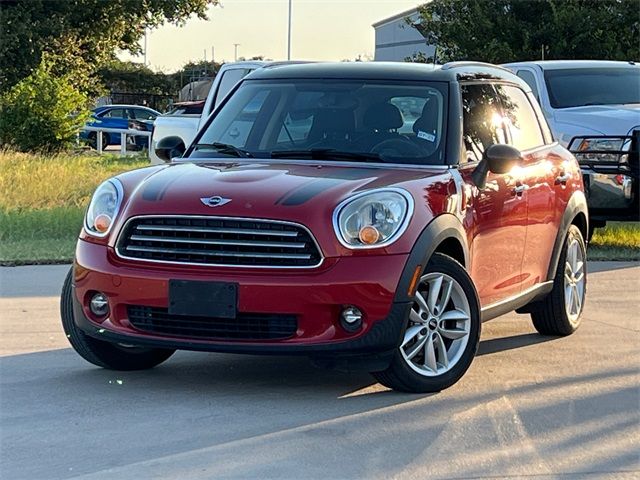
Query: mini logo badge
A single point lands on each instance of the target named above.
(215, 201)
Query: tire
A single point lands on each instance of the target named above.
(93, 140)
(555, 315)
(450, 324)
(100, 353)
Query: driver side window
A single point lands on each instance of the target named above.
(483, 120)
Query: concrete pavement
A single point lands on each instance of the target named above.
(530, 406)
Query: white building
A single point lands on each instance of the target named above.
(396, 39)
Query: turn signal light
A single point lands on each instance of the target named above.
(369, 235)
(102, 223)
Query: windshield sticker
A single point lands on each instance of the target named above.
(426, 136)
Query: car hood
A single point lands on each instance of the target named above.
(603, 119)
(302, 192)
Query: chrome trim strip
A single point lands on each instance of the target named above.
(122, 256)
(202, 241)
(296, 256)
(529, 290)
(181, 228)
(403, 227)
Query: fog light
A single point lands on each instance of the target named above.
(99, 305)
(351, 319)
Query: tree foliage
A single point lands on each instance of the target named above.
(42, 112)
(500, 31)
(79, 36)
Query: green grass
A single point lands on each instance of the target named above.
(617, 241)
(42, 203)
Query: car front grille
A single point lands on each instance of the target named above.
(218, 241)
(246, 326)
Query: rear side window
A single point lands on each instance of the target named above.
(140, 114)
(520, 118)
(115, 113)
(483, 123)
(530, 80)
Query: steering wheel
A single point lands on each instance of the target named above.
(397, 147)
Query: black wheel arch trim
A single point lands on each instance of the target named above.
(441, 228)
(577, 205)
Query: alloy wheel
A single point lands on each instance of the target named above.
(574, 280)
(439, 326)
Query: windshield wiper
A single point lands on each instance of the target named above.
(326, 154)
(225, 148)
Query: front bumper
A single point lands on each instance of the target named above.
(315, 296)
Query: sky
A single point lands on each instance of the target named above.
(321, 30)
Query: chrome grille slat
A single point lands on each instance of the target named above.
(218, 241)
(242, 243)
(216, 253)
(180, 228)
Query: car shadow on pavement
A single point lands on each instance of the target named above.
(205, 412)
(494, 345)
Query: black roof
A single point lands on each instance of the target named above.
(449, 72)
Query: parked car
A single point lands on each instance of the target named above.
(118, 116)
(342, 238)
(187, 108)
(184, 122)
(593, 108)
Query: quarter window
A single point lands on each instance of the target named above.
(483, 122)
(520, 118)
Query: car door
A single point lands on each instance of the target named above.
(496, 214)
(115, 118)
(539, 169)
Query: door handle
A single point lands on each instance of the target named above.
(519, 189)
(563, 178)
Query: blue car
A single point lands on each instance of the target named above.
(117, 116)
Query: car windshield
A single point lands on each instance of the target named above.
(578, 87)
(345, 120)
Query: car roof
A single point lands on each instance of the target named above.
(106, 107)
(454, 71)
(569, 64)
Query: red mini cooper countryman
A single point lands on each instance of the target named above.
(369, 216)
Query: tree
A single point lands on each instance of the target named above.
(500, 31)
(79, 36)
(41, 112)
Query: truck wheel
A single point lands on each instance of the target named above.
(559, 313)
(442, 334)
(100, 353)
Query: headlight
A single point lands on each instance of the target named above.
(103, 208)
(373, 219)
(599, 149)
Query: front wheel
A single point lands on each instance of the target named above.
(442, 334)
(559, 313)
(100, 353)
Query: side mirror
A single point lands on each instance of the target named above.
(497, 158)
(169, 148)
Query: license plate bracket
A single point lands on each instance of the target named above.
(203, 299)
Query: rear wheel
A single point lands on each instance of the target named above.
(442, 331)
(93, 140)
(559, 313)
(100, 353)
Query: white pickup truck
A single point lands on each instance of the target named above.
(593, 109)
(185, 126)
